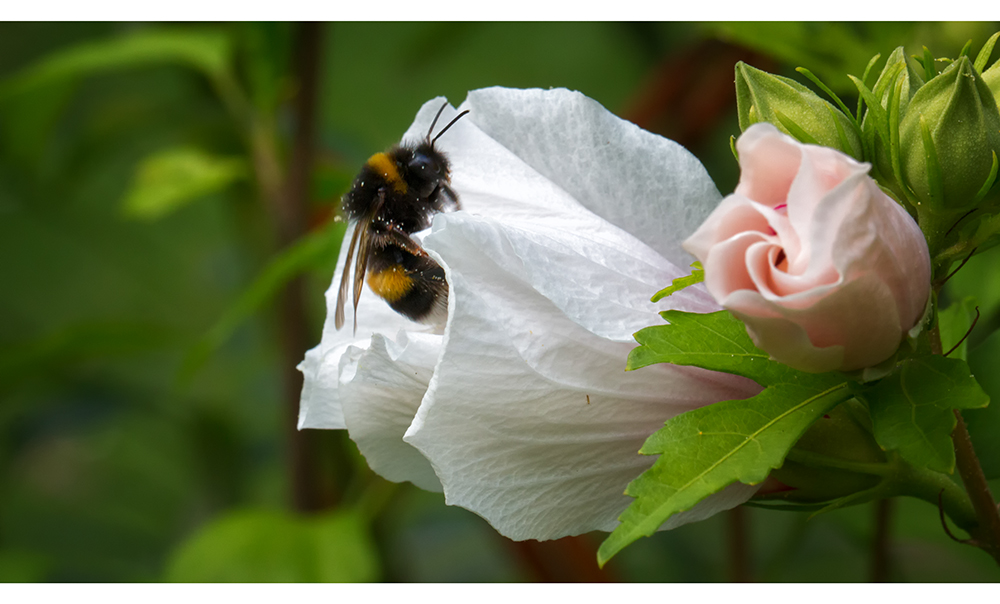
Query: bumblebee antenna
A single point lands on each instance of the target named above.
(440, 111)
(450, 124)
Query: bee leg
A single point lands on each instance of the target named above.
(387, 235)
(448, 199)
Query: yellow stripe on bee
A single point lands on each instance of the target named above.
(390, 284)
(381, 163)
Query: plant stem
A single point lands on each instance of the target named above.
(986, 530)
(880, 542)
(566, 560)
(935, 336)
(933, 487)
(737, 545)
(289, 206)
(987, 534)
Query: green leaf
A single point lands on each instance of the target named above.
(206, 50)
(704, 450)
(875, 110)
(864, 80)
(988, 183)
(794, 129)
(966, 49)
(696, 276)
(930, 69)
(831, 94)
(894, 105)
(315, 250)
(984, 424)
(173, 178)
(984, 53)
(264, 546)
(912, 408)
(932, 163)
(717, 341)
(954, 323)
(844, 141)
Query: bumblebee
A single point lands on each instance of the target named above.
(396, 194)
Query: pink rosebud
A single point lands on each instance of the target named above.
(825, 269)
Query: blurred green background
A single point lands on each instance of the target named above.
(163, 256)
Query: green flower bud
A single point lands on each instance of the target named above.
(896, 68)
(794, 109)
(842, 436)
(948, 136)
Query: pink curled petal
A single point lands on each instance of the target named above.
(380, 391)
(887, 252)
(846, 273)
(783, 339)
(869, 334)
(822, 170)
(759, 259)
(768, 164)
(783, 231)
(725, 266)
(776, 285)
(734, 215)
(864, 337)
(845, 212)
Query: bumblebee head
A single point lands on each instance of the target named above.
(427, 167)
(425, 170)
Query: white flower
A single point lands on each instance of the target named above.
(521, 410)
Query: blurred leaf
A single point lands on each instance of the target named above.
(261, 546)
(26, 121)
(315, 250)
(22, 567)
(831, 49)
(979, 279)
(912, 409)
(416, 61)
(266, 48)
(77, 342)
(206, 50)
(173, 178)
(954, 323)
(984, 424)
(331, 180)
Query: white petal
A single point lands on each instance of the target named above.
(531, 420)
(380, 391)
(644, 183)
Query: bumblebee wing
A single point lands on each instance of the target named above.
(362, 241)
(338, 320)
(361, 268)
